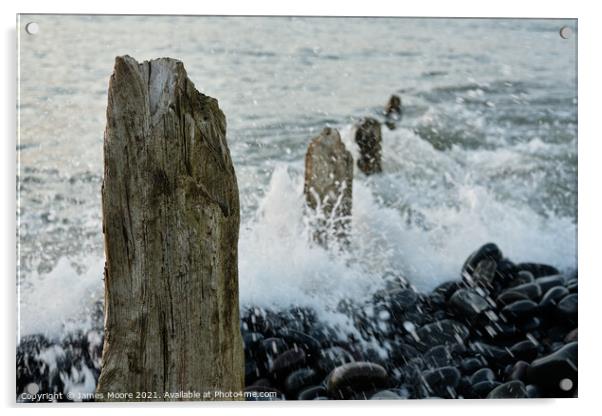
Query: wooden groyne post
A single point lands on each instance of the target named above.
(328, 187)
(171, 221)
(368, 137)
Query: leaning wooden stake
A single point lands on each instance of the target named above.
(171, 221)
(328, 188)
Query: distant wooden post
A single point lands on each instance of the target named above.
(368, 137)
(171, 221)
(328, 187)
(393, 107)
(393, 112)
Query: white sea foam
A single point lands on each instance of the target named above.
(61, 300)
(280, 267)
(420, 219)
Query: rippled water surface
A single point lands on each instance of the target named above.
(486, 149)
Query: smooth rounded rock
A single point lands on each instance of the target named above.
(471, 364)
(446, 331)
(511, 390)
(297, 339)
(252, 371)
(489, 251)
(571, 336)
(287, 362)
(447, 289)
(272, 347)
(519, 371)
(468, 304)
(324, 334)
(333, 357)
(251, 340)
(495, 356)
(400, 300)
(501, 330)
(438, 381)
(538, 269)
(529, 324)
(262, 382)
(484, 374)
(299, 380)
(568, 306)
(386, 395)
(533, 392)
(524, 350)
(483, 388)
(312, 393)
(402, 353)
(550, 299)
(530, 290)
(572, 285)
(510, 296)
(547, 372)
(520, 309)
(351, 378)
(548, 282)
(439, 356)
(521, 278)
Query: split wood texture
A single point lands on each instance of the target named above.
(171, 220)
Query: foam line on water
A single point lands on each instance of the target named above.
(420, 219)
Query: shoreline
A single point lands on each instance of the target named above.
(500, 330)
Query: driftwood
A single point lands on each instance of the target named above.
(368, 137)
(328, 187)
(171, 221)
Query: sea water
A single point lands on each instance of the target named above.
(486, 149)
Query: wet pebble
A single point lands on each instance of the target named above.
(471, 364)
(287, 362)
(483, 388)
(312, 393)
(550, 299)
(351, 378)
(549, 371)
(386, 395)
(521, 278)
(468, 304)
(524, 350)
(538, 269)
(567, 307)
(299, 380)
(446, 331)
(441, 381)
(511, 390)
(484, 374)
(548, 282)
(531, 291)
(519, 371)
(520, 309)
(331, 358)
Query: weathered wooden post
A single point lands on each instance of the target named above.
(393, 112)
(369, 140)
(328, 188)
(393, 107)
(171, 221)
